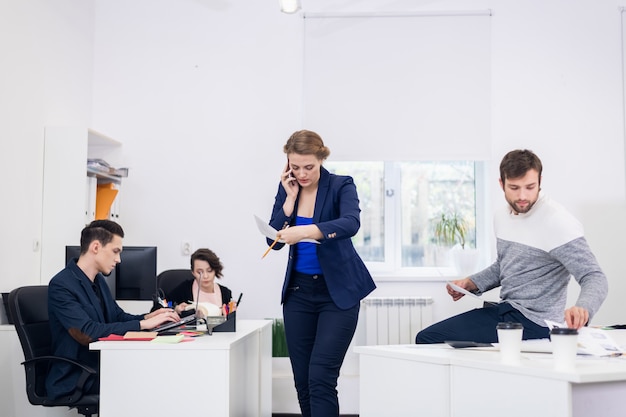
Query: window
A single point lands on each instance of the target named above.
(399, 204)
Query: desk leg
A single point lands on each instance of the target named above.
(602, 398)
(265, 366)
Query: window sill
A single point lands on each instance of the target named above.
(416, 275)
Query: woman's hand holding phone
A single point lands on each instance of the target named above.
(290, 184)
(292, 188)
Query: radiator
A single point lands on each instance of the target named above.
(395, 320)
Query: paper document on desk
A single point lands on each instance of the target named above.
(471, 294)
(593, 341)
(270, 233)
(597, 342)
(205, 309)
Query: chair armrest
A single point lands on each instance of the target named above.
(86, 368)
(87, 371)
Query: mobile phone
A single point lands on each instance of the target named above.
(291, 177)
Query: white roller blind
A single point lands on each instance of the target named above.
(623, 21)
(399, 87)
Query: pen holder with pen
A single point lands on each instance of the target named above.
(230, 325)
(221, 323)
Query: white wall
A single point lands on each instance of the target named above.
(203, 96)
(204, 93)
(45, 80)
(203, 112)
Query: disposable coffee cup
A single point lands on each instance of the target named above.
(564, 343)
(510, 342)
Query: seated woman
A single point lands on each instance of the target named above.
(205, 267)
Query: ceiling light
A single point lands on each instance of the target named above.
(289, 6)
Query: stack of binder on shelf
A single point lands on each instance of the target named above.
(102, 166)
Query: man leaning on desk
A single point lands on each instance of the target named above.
(82, 310)
(539, 245)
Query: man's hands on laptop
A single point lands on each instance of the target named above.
(158, 317)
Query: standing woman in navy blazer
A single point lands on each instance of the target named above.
(325, 280)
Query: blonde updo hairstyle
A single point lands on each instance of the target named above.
(306, 142)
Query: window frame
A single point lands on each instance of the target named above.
(391, 268)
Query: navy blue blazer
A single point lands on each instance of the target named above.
(76, 319)
(337, 215)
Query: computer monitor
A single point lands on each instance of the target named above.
(134, 278)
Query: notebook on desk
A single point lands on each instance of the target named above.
(174, 324)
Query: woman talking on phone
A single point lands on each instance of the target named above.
(317, 213)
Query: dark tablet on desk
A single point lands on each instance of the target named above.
(460, 344)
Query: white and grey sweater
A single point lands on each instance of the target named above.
(538, 251)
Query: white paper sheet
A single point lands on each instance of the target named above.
(270, 233)
(593, 341)
(464, 291)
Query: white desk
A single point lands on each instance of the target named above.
(438, 381)
(221, 375)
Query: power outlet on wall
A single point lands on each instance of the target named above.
(186, 248)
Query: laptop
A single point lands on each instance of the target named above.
(174, 324)
(183, 321)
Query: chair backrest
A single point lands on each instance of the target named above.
(29, 310)
(171, 278)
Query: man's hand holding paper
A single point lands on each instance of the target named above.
(461, 287)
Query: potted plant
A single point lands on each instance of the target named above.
(450, 230)
(282, 376)
(279, 342)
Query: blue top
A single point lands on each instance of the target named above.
(306, 252)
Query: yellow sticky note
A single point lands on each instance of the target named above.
(168, 339)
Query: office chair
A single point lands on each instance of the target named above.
(170, 279)
(29, 310)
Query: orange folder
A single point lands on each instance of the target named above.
(105, 195)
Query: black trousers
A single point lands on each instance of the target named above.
(479, 325)
(318, 335)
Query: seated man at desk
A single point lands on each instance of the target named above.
(82, 310)
(539, 246)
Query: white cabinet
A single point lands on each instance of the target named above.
(67, 194)
(63, 214)
(104, 180)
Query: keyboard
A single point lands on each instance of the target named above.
(173, 324)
